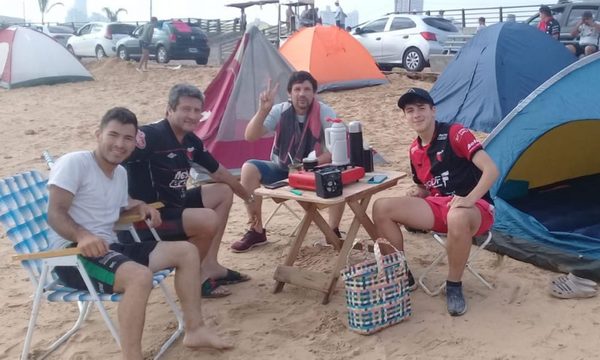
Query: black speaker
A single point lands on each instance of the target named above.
(328, 182)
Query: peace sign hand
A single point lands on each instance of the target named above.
(267, 97)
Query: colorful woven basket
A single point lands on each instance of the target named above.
(377, 294)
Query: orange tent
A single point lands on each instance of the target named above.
(335, 58)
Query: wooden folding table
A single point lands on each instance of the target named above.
(357, 196)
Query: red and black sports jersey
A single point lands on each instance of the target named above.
(159, 167)
(550, 27)
(444, 166)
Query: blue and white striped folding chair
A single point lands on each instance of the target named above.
(23, 215)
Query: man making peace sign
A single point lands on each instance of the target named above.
(298, 125)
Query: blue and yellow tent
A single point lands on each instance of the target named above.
(494, 71)
(548, 152)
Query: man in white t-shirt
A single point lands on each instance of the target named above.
(298, 125)
(340, 16)
(87, 192)
(588, 31)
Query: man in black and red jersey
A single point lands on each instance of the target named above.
(159, 169)
(453, 174)
(548, 23)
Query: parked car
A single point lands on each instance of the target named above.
(58, 32)
(404, 40)
(568, 15)
(98, 39)
(172, 40)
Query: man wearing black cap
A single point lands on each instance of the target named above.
(453, 174)
(548, 23)
(587, 30)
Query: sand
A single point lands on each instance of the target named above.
(516, 320)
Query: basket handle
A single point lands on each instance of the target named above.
(379, 256)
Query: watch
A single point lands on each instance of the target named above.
(250, 199)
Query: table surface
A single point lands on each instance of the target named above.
(357, 189)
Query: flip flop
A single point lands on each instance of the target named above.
(211, 290)
(569, 289)
(232, 277)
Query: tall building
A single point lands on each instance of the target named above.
(78, 13)
(408, 6)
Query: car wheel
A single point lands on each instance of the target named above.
(100, 54)
(201, 61)
(162, 56)
(123, 54)
(413, 59)
(70, 48)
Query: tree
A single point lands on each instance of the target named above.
(113, 16)
(44, 8)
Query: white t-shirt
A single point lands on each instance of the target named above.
(97, 200)
(588, 35)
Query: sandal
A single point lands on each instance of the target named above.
(568, 287)
(211, 290)
(232, 277)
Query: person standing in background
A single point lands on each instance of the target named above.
(145, 42)
(340, 16)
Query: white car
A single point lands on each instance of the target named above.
(404, 40)
(60, 33)
(97, 39)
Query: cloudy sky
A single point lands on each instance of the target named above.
(213, 9)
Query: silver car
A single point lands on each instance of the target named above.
(404, 40)
(58, 32)
(97, 39)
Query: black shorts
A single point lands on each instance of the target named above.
(171, 228)
(580, 49)
(144, 45)
(102, 270)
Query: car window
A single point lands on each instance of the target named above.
(400, 23)
(375, 26)
(440, 24)
(85, 30)
(96, 28)
(124, 29)
(575, 16)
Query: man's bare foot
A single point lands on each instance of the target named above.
(203, 337)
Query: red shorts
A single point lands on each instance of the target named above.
(439, 206)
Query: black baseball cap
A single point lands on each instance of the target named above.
(414, 95)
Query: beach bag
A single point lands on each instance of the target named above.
(377, 293)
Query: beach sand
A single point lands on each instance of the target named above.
(516, 320)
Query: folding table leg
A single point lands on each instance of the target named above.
(297, 243)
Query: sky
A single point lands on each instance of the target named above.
(139, 10)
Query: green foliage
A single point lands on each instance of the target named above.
(44, 8)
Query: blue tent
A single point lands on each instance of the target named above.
(499, 67)
(548, 153)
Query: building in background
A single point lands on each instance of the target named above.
(78, 13)
(408, 6)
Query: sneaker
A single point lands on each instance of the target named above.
(251, 239)
(455, 301)
(412, 285)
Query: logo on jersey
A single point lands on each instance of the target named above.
(442, 137)
(438, 181)
(439, 155)
(172, 155)
(140, 139)
(460, 134)
(190, 153)
(472, 144)
(179, 180)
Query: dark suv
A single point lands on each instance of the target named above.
(568, 14)
(172, 40)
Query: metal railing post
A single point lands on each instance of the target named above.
(464, 21)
